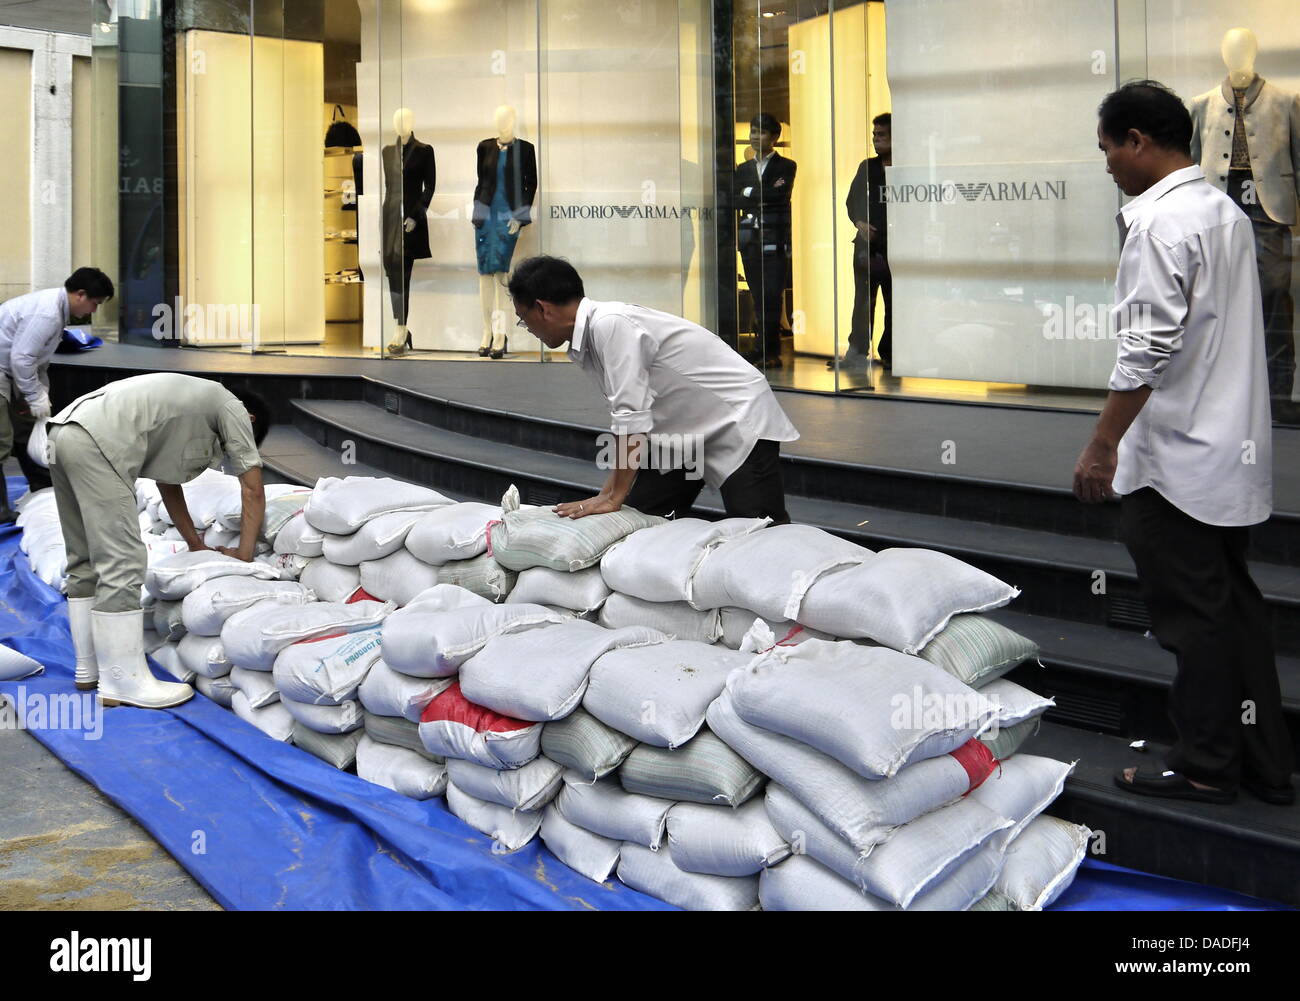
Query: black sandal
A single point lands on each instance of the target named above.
(1171, 785)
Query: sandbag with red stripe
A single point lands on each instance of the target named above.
(455, 727)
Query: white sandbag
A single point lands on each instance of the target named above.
(1015, 704)
(341, 506)
(405, 772)
(385, 692)
(976, 650)
(273, 720)
(398, 732)
(205, 609)
(703, 770)
(15, 666)
(1041, 862)
(398, 577)
(862, 811)
(454, 727)
(219, 690)
(871, 708)
(659, 694)
(583, 852)
(538, 537)
(655, 874)
(168, 619)
(604, 808)
(428, 643)
(336, 749)
(374, 540)
(36, 444)
(342, 718)
(801, 884)
(445, 598)
(721, 841)
(528, 788)
(541, 674)
(451, 532)
(1022, 788)
(768, 572)
(216, 537)
(258, 687)
(211, 491)
(50, 565)
(509, 830)
(916, 858)
(296, 536)
(283, 501)
(289, 565)
(901, 599)
(585, 745)
(176, 576)
(169, 659)
(146, 494)
(255, 636)
(656, 564)
(327, 671)
(483, 575)
(736, 622)
(583, 591)
(204, 655)
(675, 618)
(329, 581)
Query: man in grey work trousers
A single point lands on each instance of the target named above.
(165, 427)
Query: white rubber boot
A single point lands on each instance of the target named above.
(83, 642)
(124, 677)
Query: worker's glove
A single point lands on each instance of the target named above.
(40, 407)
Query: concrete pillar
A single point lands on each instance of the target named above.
(51, 168)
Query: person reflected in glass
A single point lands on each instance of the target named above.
(866, 207)
(763, 187)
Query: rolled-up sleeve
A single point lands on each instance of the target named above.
(1150, 315)
(626, 353)
(236, 433)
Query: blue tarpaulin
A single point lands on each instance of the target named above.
(261, 824)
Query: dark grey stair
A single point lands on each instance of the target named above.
(1055, 572)
(1248, 846)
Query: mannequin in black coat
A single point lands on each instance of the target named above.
(763, 234)
(410, 175)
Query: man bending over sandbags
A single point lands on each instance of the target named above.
(165, 427)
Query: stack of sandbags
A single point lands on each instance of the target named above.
(390, 752)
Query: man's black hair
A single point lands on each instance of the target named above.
(886, 120)
(550, 279)
(1152, 109)
(92, 281)
(767, 123)
(258, 409)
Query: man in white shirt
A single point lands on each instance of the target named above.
(1185, 437)
(685, 408)
(31, 327)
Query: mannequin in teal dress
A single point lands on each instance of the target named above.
(503, 199)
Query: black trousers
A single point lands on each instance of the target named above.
(765, 271)
(754, 490)
(1205, 609)
(399, 288)
(871, 274)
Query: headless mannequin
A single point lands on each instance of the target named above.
(1239, 49)
(403, 126)
(492, 288)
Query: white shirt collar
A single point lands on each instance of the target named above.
(580, 321)
(1158, 190)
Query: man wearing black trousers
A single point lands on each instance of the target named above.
(763, 187)
(1186, 439)
(866, 207)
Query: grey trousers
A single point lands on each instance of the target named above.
(101, 526)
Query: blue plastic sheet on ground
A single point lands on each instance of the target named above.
(261, 824)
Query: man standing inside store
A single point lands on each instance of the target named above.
(663, 375)
(1185, 440)
(31, 327)
(866, 207)
(762, 191)
(166, 427)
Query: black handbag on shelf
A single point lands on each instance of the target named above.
(341, 132)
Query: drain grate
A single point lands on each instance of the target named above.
(542, 496)
(390, 402)
(1091, 711)
(1127, 611)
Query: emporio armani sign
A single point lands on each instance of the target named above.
(633, 211)
(956, 192)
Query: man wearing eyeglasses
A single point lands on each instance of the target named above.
(667, 380)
